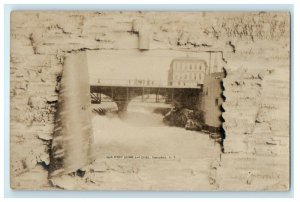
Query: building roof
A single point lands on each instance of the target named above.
(188, 59)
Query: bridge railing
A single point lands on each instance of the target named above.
(137, 82)
(128, 82)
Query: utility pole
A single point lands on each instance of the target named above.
(209, 62)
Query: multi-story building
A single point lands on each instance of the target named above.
(212, 100)
(187, 72)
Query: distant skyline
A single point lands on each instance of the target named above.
(135, 64)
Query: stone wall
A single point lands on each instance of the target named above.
(256, 53)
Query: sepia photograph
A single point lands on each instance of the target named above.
(150, 100)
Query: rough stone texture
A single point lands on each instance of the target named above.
(256, 50)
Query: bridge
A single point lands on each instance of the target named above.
(124, 91)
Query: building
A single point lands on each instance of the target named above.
(187, 72)
(212, 100)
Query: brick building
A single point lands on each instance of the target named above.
(187, 72)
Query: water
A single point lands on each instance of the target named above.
(137, 151)
(142, 132)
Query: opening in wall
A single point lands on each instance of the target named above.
(133, 91)
(130, 85)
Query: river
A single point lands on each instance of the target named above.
(138, 151)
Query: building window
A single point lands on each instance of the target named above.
(216, 101)
(200, 67)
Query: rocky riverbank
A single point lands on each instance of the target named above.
(186, 118)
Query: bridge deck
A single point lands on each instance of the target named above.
(122, 94)
(146, 86)
(140, 83)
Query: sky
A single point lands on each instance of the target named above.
(135, 64)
